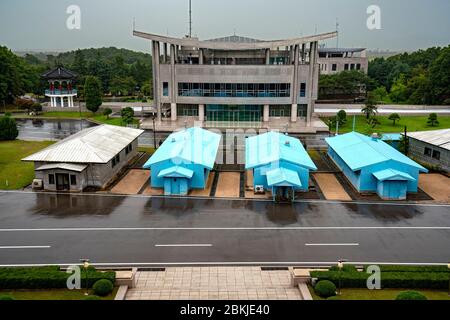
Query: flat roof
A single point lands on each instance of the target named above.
(220, 44)
(438, 138)
(97, 144)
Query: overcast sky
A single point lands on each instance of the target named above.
(41, 24)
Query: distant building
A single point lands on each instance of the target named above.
(279, 163)
(89, 158)
(372, 165)
(61, 91)
(334, 60)
(184, 161)
(431, 147)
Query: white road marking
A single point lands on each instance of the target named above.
(381, 203)
(25, 247)
(219, 228)
(184, 245)
(331, 244)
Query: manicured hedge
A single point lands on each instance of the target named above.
(345, 268)
(47, 277)
(415, 280)
(393, 268)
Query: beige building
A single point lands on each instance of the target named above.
(334, 60)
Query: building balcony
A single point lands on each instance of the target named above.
(63, 92)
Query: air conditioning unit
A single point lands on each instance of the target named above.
(259, 189)
(37, 184)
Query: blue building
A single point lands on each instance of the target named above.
(372, 165)
(392, 139)
(184, 161)
(279, 163)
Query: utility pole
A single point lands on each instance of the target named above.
(190, 18)
(337, 30)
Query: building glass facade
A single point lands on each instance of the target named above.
(238, 90)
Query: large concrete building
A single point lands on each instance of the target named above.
(236, 81)
(334, 60)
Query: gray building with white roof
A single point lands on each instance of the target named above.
(89, 158)
(431, 147)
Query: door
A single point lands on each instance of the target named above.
(175, 186)
(62, 181)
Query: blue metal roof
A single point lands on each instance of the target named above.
(391, 137)
(274, 146)
(359, 151)
(392, 174)
(176, 172)
(283, 177)
(193, 145)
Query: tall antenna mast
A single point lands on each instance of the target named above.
(337, 30)
(190, 18)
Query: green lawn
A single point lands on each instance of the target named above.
(112, 121)
(383, 294)
(15, 174)
(53, 294)
(413, 123)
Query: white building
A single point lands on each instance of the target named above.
(60, 91)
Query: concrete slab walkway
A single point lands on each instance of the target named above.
(132, 183)
(213, 283)
(228, 185)
(435, 185)
(330, 186)
(204, 192)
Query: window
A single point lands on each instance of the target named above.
(436, 154)
(358, 66)
(73, 180)
(128, 148)
(51, 179)
(334, 67)
(352, 66)
(241, 90)
(113, 162)
(165, 89)
(303, 89)
(346, 66)
(427, 152)
(118, 159)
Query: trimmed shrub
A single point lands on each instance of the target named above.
(103, 287)
(48, 277)
(394, 268)
(334, 298)
(8, 128)
(410, 295)
(345, 268)
(6, 297)
(92, 297)
(413, 280)
(325, 289)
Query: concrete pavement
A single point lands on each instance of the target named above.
(40, 228)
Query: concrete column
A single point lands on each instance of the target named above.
(266, 113)
(200, 56)
(156, 80)
(267, 56)
(294, 113)
(62, 102)
(51, 102)
(303, 53)
(173, 111)
(165, 52)
(173, 85)
(313, 53)
(201, 112)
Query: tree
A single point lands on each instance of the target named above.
(380, 94)
(127, 115)
(439, 77)
(370, 108)
(433, 120)
(8, 129)
(93, 93)
(394, 117)
(341, 117)
(107, 112)
(403, 145)
(373, 122)
(399, 90)
(79, 63)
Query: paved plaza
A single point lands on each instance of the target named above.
(213, 283)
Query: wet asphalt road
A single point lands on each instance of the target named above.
(40, 228)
